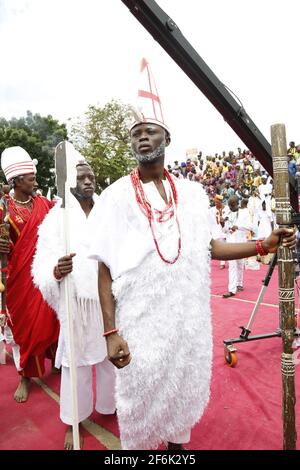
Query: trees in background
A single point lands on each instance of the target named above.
(38, 135)
(102, 137)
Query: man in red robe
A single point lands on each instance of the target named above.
(33, 323)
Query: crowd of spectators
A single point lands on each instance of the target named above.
(238, 173)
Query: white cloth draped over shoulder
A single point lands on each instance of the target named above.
(90, 346)
(162, 310)
(123, 237)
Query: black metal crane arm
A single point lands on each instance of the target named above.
(168, 35)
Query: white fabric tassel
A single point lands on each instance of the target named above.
(2, 353)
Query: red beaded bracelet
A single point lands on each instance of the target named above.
(110, 332)
(260, 249)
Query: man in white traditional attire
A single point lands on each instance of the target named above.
(151, 234)
(49, 267)
(265, 190)
(237, 226)
(254, 205)
(265, 227)
(217, 215)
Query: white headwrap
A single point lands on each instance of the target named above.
(15, 161)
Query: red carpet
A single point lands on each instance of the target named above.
(34, 425)
(245, 407)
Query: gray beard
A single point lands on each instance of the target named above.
(151, 156)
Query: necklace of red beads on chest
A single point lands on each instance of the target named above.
(161, 216)
(22, 213)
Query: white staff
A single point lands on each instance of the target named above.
(66, 158)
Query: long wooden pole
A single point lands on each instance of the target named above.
(286, 285)
(4, 233)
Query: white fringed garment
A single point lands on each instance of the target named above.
(90, 346)
(163, 312)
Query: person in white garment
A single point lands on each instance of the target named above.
(254, 205)
(217, 215)
(265, 190)
(265, 227)
(49, 268)
(237, 226)
(152, 239)
(265, 221)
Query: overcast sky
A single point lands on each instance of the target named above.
(59, 56)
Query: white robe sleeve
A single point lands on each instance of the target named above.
(49, 249)
(119, 231)
(120, 235)
(106, 231)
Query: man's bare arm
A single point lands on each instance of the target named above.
(117, 348)
(228, 251)
(106, 298)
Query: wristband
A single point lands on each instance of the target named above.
(110, 332)
(260, 249)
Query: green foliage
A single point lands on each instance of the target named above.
(103, 138)
(39, 136)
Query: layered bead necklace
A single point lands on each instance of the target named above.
(23, 203)
(22, 209)
(161, 216)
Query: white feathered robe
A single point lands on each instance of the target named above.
(90, 346)
(162, 311)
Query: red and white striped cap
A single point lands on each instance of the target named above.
(148, 101)
(15, 161)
